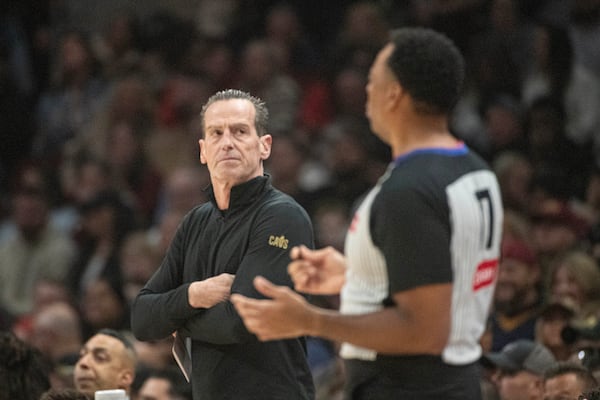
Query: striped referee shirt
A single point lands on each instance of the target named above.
(434, 217)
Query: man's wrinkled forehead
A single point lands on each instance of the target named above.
(229, 112)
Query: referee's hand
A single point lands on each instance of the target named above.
(285, 314)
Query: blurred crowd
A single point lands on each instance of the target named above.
(99, 153)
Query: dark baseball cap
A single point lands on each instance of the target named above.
(521, 355)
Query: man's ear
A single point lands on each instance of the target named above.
(126, 378)
(201, 151)
(394, 94)
(265, 146)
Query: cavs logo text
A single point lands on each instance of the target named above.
(278, 241)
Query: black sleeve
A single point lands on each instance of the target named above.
(409, 228)
(276, 230)
(162, 305)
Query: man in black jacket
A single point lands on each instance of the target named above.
(246, 229)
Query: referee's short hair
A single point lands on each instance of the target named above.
(429, 67)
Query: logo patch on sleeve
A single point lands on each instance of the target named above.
(278, 241)
(485, 274)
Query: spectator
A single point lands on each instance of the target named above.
(553, 319)
(82, 178)
(518, 297)
(556, 228)
(556, 73)
(56, 331)
(38, 251)
(103, 305)
(45, 293)
(503, 124)
(162, 234)
(261, 74)
(77, 94)
(575, 279)
(106, 220)
(349, 95)
(583, 336)
(363, 31)
(349, 153)
(106, 361)
(218, 64)
(64, 394)
(137, 260)
(178, 105)
(566, 381)
(23, 370)
(130, 101)
(165, 384)
(520, 369)
(584, 31)
(549, 147)
(183, 189)
(132, 174)
(118, 47)
(287, 167)
(18, 82)
(285, 32)
(510, 29)
(514, 172)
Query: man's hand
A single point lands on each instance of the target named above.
(285, 315)
(211, 291)
(317, 271)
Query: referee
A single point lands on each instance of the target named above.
(421, 254)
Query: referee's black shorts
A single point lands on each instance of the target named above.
(411, 378)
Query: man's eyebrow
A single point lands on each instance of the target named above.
(240, 125)
(231, 125)
(212, 127)
(98, 350)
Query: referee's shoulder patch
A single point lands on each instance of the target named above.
(485, 274)
(278, 241)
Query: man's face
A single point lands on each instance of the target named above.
(520, 385)
(155, 388)
(30, 213)
(103, 365)
(564, 286)
(231, 147)
(562, 387)
(514, 281)
(378, 90)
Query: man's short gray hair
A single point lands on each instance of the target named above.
(261, 118)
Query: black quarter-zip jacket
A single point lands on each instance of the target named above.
(253, 237)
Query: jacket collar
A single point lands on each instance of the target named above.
(245, 193)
